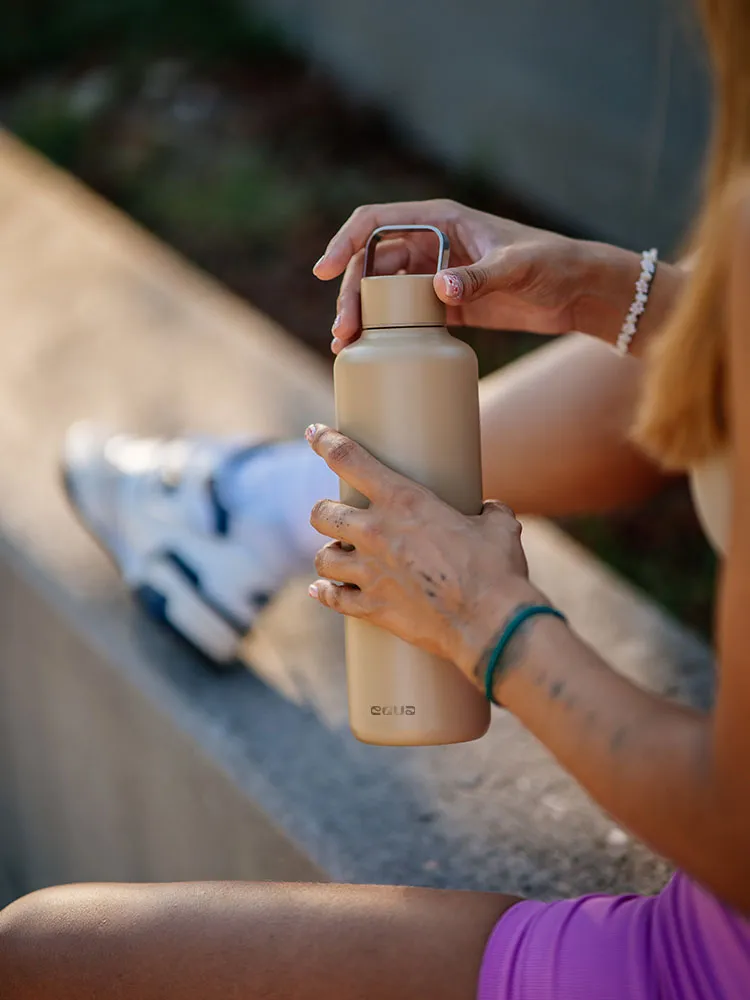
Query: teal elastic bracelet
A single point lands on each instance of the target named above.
(512, 626)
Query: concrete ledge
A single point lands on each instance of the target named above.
(127, 759)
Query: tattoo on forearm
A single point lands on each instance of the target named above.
(619, 739)
(428, 579)
(556, 690)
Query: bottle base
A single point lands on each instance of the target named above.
(417, 739)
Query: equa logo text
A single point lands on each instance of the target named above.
(393, 710)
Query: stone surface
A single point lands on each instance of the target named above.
(124, 756)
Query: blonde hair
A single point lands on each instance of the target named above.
(681, 417)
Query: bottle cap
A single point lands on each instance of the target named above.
(400, 300)
(394, 300)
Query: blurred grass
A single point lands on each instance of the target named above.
(661, 550)
(46, 120)
(201, 122)
(251, 198)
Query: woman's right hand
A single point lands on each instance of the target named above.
(504, 275)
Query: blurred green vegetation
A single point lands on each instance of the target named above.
(200, 121)
(39, 34)
(46, 120)
(251, 199)
(659, 548)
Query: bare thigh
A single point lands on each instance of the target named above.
(220, 941)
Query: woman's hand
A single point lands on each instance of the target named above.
(419, 569)
(509, 276)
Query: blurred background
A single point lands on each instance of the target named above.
(243, 133)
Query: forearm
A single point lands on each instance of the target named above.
(646, 761)
(555, 424)
(555, 431)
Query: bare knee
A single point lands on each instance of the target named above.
(19, 939)
(37, 932)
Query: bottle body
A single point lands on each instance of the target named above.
(410, 396)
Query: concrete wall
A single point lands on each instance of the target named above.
(594, 112)
(97, 782)
(121, 755)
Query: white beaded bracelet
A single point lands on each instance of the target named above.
(649, 259)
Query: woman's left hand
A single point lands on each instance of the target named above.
(440, 580)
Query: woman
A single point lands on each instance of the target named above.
(676, 778)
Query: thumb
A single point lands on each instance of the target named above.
(495, 509)
(464, 284)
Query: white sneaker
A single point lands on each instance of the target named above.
(153, 506)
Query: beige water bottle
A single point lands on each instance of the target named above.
(408, 392)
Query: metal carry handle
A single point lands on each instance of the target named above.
(377, 235)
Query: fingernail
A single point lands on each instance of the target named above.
(336, 323)
(453, 286)
(337, 345)
(318, 263)
(310, 432)
(312, 590)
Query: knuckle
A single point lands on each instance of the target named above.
(446, 206)
(477, 278)
(334, 596)
(363, 608)
(372, 531)
(346, 291)
(362, 213)
(341, 449)
(407, 497)
(499, 507)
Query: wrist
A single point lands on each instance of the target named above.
(479, 636)
(608, 288)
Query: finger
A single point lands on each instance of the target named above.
(354, 465)
(502, 513)
(336, 563)
(494, 508)
(347, 324)
(343, 598)
(356, 231)
(393, 256)
(500, 271)
(345, 524)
